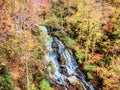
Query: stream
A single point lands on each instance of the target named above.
(63, 62)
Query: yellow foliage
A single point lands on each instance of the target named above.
(17, 6)
(28, 39)
(110, 78)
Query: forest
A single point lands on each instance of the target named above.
(59, 44)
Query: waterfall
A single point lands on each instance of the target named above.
(56, 49)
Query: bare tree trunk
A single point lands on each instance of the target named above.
(20, 26)
(26, 62)
(26, 50)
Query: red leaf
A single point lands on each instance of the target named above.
(97, 56)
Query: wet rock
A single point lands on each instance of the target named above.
(64, 70)
(58, 87)
(72, 87)
(61, 61)
(54, 45)
(73, 80)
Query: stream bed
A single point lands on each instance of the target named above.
(64, 65)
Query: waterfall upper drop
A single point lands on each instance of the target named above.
(56, 50)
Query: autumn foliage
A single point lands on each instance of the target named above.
(91, 28)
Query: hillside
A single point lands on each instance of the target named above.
(59, 44)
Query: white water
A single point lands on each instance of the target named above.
(57, 49)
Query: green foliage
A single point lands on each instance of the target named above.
(68, 41)
(39, 40)
(37, 53)
(90, 68)
(79, 55)
(4, 70)
(45, 85)
(71, 33)
(6, 82)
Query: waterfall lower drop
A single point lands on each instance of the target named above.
(57, 49)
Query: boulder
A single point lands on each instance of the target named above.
(73, 80)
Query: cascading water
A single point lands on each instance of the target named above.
(56, 49)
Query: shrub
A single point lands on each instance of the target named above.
(45, 85)
(79, 55)
(68, 41)
(90, 68)
(6, 82)
(38, 53)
